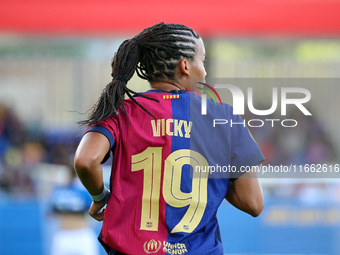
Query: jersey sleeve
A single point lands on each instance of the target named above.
(109, 129)
(244, 150)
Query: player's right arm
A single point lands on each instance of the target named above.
(245, 193)
(88, 158)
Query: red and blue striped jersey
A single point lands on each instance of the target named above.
(169, 173)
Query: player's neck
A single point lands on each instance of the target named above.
(166, 86)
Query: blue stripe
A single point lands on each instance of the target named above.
(174, 215)
(104, 131)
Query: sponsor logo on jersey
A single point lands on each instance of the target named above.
(177, 248)
(149, 224)
(152, 246)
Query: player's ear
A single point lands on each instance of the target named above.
(184, 67)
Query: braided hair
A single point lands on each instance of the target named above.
(154, 54)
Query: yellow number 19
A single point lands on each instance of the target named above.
(150, 161)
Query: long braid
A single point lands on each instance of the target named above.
(154, 54)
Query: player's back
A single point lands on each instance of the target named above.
(163, 198)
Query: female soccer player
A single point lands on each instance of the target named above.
(163, 194)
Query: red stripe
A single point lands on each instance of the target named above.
(121, 230)
(232, 17)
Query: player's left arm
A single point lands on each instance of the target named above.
(245, 193)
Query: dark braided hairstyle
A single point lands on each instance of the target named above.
(154, 54)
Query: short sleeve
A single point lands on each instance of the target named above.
(244, 149)
(109, 129)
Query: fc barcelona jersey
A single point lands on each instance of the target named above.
(170, 173)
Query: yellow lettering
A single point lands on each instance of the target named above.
(196, 199)
(149, 161)
(168, 127)
(156, 129)
(178, 128)
(163, 127)
(187, 128)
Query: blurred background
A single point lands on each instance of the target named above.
(55, 61)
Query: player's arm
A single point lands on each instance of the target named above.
(90, 153)
(245, 193)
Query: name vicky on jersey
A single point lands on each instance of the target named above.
(171, 127)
